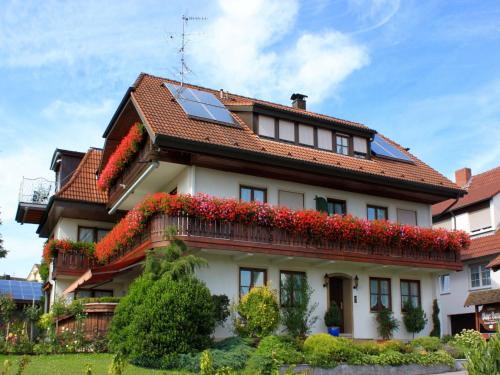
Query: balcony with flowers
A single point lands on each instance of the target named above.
(212, 223)
(69, 257)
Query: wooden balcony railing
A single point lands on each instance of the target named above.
(198, 233)
(71, 263)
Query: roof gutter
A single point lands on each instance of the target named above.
(152, 166)
(193, 146)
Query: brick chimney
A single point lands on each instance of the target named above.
(298, 101)
(462, 176)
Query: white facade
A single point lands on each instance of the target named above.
(451, 302)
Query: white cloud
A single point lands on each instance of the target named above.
(246, 51)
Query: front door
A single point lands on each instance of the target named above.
(337, 296)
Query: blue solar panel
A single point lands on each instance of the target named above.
(21, 290)
(201, 105)
(380, 147)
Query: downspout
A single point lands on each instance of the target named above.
(152, 166)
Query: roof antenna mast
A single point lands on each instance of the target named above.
(184, 68)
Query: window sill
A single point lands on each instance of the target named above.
(444, 293)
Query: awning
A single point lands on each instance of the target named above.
(483, 297)
(101, 275)
(494, 264)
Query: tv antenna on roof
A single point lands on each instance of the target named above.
(184, 41)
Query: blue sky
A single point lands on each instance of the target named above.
(425, 73)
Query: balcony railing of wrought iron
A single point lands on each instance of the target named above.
(36, 190)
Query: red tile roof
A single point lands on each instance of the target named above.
(481, 187)
(483, 246)
(82, 186)
(163, 116)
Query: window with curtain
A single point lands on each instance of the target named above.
(251, 277)
(88, 234)
(291, 296)
(410, 291)
(287, 131)
(444, 284)
(342, 144)
(336, 207)
(253, 194)
(306, 135)
(376, 213)
(325, 140)
(380, 294)
(479, 276)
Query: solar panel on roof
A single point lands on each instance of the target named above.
(380, 147)
(201, 105)
(21, 290)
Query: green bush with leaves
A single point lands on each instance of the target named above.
(414, 318)
(324, 350)
(468, 338)
(167, 311)
(333, 316)
(297, 313)
(386, 323)
(273, 352)
(7, 308)
(483, 357)
(428, 343)
(257, 314)
(221, 308)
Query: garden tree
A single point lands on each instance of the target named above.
(167, 310)
(258, 313)
(436, 329)
(297, 313)
(414, 318)
(386, 323)
(7, 308)
(32, 315)
(3, 252)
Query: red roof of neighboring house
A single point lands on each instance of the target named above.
(164, 116)
(483, 246)
(82, 185)
(481, 187)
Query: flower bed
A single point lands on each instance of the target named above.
(54, 247)
(311, 224)
(123, 154)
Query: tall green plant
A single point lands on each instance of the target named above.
(386, 323)
(32, 315)
(436, 324)
(297, 312)
(7, 308)
(483, 358)
(414, 318)
(333, 316)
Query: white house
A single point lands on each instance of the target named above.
(199, 140)
(478, 213)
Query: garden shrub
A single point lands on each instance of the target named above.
(392, 358)
(468, 338)
(436, 324)
(369, 347)
(273, 352)
(484, 356)
(431, 344)
(439, 357)
(168, 316)
(230, 353)
(258, 313)
(392, 345)
(327, 351)
(414, 318)
(297, 315)
(386, 323)
(221, 308)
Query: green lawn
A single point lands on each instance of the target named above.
(69, 364)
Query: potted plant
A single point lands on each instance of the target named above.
(333, 318)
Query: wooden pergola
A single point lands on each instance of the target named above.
(489, 315)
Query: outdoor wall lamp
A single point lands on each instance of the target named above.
(325, 280)
(356, 282)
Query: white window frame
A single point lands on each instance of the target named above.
(481, 285)
(442, 290)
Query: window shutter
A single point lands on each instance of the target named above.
(321, 204)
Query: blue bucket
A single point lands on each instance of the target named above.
(334, 331)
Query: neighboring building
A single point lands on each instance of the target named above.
(199, 140)
(23, 292)
(478, 213)
(34, 274)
